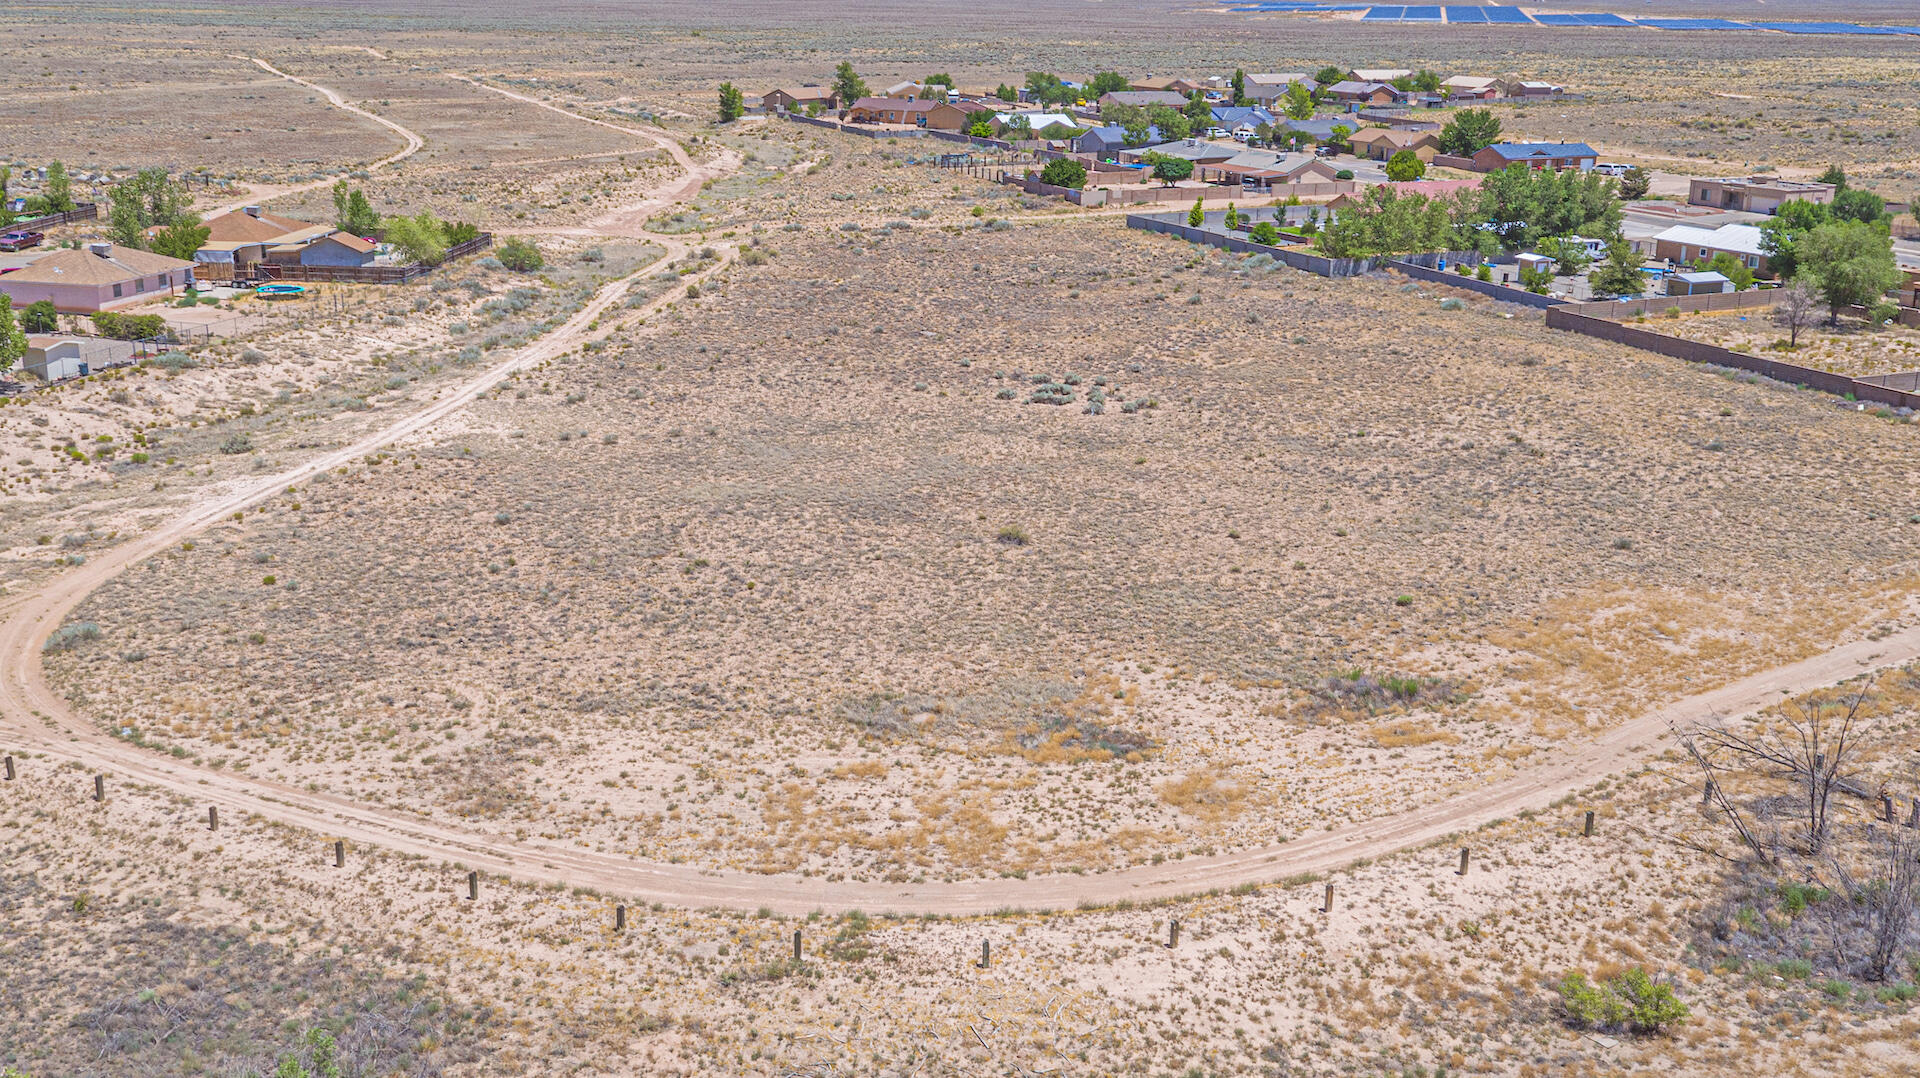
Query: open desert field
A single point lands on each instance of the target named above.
(839, 615)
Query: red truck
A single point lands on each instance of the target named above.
(21, 240)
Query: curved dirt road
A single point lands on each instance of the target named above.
(265, 192)
(33, 717)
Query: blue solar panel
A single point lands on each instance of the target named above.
(1383, 14)
(1467, 14)
(1512, 16)
(1549, 19)
(1604, 18)
(1825, 28)
(1693, 24)
(1425, 13)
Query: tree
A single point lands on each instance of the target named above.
(1635, 183)
(1569, 258)
(1798, 309)
(939, 78)
(361, 220)
(1196, 216)
(1426, 81)
(1620, 274)
(1047, 88)
(13, 340)
(1780, 235)
(847, 86)
(1299, 103)
(1107, 82)
(1469, 132)
(1239, 86)
(1854, 204)
(1337, 138)
(1327, 76)
(1405, 165)
(1836, 176)
(181, 239)
(341, 196)
(59, 188)
(1006, 93)
(1064, 172)
(420, 238)
(520, 256)
(981, 128)
(1264, 232)
(1852, 261)
(1232, 217)
(1171, 170)
(733, 103)
(148, 200)
(1726, 265)
(1631, 999)
(1199, 114)
(40, 316)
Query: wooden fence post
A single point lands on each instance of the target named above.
(1886, 806)
(1706, 793)
(1913, 821)
(1327, 906)
(986, 954)
(100, 788)
(339, 853)
(1463, 861)
(213, 817)
(1173, 933)
(473, 886)
(619, 918)
(796, 946)
(1588, 831)
(9, 769)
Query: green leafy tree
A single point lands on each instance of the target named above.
(59, 188)
(1172, 122)
(361, 220)
(148, 200)
(939, 78)
(420, 238)
(1620, 274)
(1239, 86)
(847, 86)
(1635, 183)
(342, 192)
(1006, 93)
(1469, 132)
(1107, 82)
(520, 256)
(981, 127)
(1631, 999)
(13, 340)
(733, 103)
(1299, 102)
(1170, 170)
(1405, 165)
(1425, 81)
(1385, 221)
(1232, 217)
(1569, 258)
(1853, 204)
(1780, 235)
(181, 239)
(40, 316)
(1732, 269)
(1047, 88)
(1064, 172)
(1196, 216)
(1836, 176)
(1851, 261)
(1199, 114)
(1338, 138)
(1264, 232)
(1328, 75)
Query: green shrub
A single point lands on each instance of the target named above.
(1632, 1000)
(67, 637)
(129, 327)
(1264, 232)
(1064, 172)
(520, 256)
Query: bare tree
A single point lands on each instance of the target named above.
(1887, 897)
(1799, 307)
(1813, 755)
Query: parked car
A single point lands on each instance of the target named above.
(1611, 170)
(21, 240)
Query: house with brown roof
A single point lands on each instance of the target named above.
(250, 223)
(956, 115)
(890, 110)
(1530, 88)
(1470, 88)
(797, 98)
(1145, 98)
(1361, 95)
(236, 241)
(1755, 194)
(1381, 143)
(97, 277)
(1183, 87)
(1266, 169)
(330, 248)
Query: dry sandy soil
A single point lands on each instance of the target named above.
(1852, 348)
(736, 542)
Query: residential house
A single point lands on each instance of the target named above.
(1703, 283)
(1263, 169)
(236, 241)
(250, 223)
(1429, 188)
(1184, 87)
(97, 277)
(1411, 121)
(956, 115)
(1379, 74)
(1316, 128)
(1106, 142)
(328, 248)
(1557, 156)
(911, 91)
(1144, 98)
(1470, 88)
(1039, 121)
(1199, 151)
(1267, 88)
(797, 99)
(1232, 116)
(1381, 143)
(1687, 244)
(1755, 194)
(1530, 88)
(890, 110)
(1355, 94)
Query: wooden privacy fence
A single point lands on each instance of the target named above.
(273, 271)
(81, 211)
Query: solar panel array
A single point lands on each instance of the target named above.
(1509, 15)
